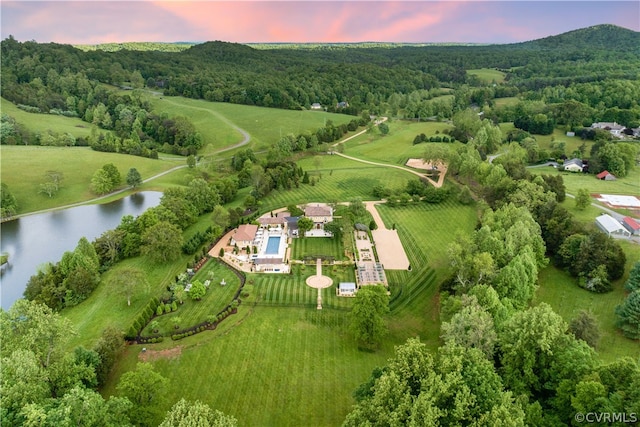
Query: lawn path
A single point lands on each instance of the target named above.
(245, 140)
(245, 135)
(437, 184)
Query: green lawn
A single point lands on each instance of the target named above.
(425, 231)
(24, 167)
(317, 246)
(560, 290)
(397, 146)
(511, 100)
(292, 290)
(269, 366)
(629, 185)
(214, 121)
(488, 75)
(340, 180)
(42, 123)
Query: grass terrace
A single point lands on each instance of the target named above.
(339, 179)
(329, 246)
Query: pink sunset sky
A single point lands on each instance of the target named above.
(91, 22)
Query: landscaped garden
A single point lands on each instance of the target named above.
(221, 284)
(310, 246)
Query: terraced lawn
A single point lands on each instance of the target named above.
(291, 289)
(327, 246)
(339, 180)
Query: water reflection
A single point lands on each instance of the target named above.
(37, 239)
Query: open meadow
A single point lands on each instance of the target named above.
(487, 75)
(24, 168)
(217, 122)
(561, 291)
(397, 146)
(43, 123)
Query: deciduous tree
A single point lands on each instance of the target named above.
(367, 315)
(192, 414)
(133, 178)
(162, 242)
(147, 390)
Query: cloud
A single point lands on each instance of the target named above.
(306, 21)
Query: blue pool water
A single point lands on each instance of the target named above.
(273, 244)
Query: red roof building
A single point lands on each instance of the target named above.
(632, 225)
(606, 175)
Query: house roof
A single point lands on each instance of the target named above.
(271, 220)
(609, 223)
(603, 174)
(317, 210)
(245, 233)
(268, 261)
(574, 161)
(609, 125)
(631, 223)
(361, 227)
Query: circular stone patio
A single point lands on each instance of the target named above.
(319, 282)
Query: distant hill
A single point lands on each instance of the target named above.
(605, 36)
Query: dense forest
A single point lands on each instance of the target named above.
(603, 78)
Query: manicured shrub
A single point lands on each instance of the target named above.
(159, 310)
(174, 306)
(167, 308)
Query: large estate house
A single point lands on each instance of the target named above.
(244, 235)
(319, 214)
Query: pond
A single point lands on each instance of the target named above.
(34, 240)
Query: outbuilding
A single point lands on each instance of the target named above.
(611, 226)
(631, 225)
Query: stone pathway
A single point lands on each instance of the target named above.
(319, 282)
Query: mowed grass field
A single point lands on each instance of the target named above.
(269, 366)
(487, 75)
(397, 146)
(561, 291)
(292, 290)
(23, 169)
(327, 246)
(338, 179)
(629, 185)
(425, 230)
(215, 121)
(43, 123)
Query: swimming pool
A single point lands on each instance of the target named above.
(273, 245)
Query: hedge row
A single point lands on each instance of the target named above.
(143, 318)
